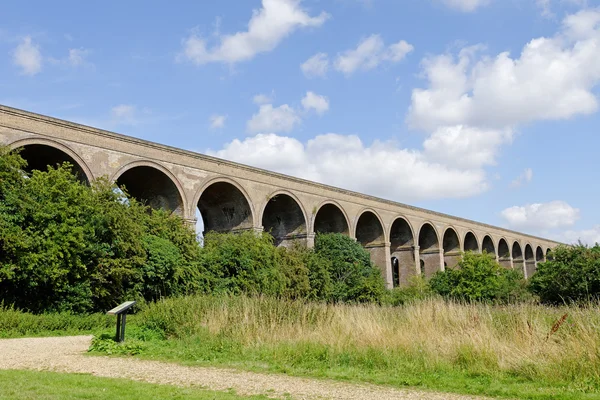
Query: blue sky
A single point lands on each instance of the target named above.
(484, 109)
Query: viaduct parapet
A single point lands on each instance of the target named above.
(403, 240)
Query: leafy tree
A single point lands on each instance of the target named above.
(571, 274)
(69, 246)
(353, 276)
(478, 278)
(243, 263)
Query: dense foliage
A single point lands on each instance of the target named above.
(571, 274)
(69, 246)
(479, 278)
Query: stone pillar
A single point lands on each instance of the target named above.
(191, 222)
(431, 260)
(310, 240)
(451, 258)
(406, 264)
(417, 256)
(380, 256)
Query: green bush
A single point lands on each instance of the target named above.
(243, 263)
(571, 274)
(353, 276)
(418, 289)
(479, 277)
(67, 246)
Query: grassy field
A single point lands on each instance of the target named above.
(520, 351)
(14, 323)
(26, 385)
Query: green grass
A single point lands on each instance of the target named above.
(30, 385)
(502, 351)
(15, 323)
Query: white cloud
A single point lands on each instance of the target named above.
(268, 26)
(370, 53)
(217, 121)
(77, 57)
(313, 101)
(316, 66)
(28, 57)
(525, 177)
(465, 5)
(274, 119)
(125, 114)
(381, 169)
(263, 98)
(465, 147)
(553, 78)
(541, 216)
(586, 236)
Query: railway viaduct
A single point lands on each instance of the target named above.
(402, 240)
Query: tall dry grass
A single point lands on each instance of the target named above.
(524, 340)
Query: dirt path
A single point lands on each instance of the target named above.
(67, 354)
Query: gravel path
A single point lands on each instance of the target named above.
(67, 354)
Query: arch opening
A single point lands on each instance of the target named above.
(451, 245)
(224, 208)
(369, 233)
(40, 156)
(402, 244)
(530, 266)
(395, 272)
(488, 246)
(284, 220)
(504, 258)
(539, 255)
(471, 243)
(517, 257)
(429, 250)
(152, 187)
(548, 254)
(331, 219)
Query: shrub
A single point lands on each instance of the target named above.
(243, 263)
(571, 274)
(478, 278)
(353, 276)
(71, 247)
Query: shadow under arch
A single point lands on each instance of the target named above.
(402, 242)
(284, 218)
(471, 243)
(517, 257)
(487, 245)
(504, 254)
(152, 184)
(451, 247)
(41, 153)
(331, 218)
(530, 266)
(370, 233)
(429, 249)
(224, 206)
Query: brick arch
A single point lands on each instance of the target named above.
(487, 245)
(517, 256)
(70, 153)
(331, 205)
(471, 242)
(286, 221)
(429, 248)
(382, 237)
(402, 241)
(530, 266)
(451, 247)
(236, 210)
(171, 198)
